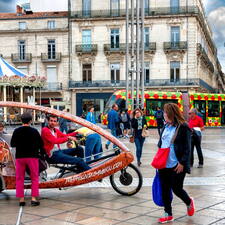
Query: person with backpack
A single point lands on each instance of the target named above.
(125, 120)
(159, 119)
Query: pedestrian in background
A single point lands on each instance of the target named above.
(159, 119)
(113, 120)
(28, 144)
(90, 115)
(125, 120)
(197, 125)
(138, 122)
(175, 135)
(63, 125)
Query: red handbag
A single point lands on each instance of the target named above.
(160, 159)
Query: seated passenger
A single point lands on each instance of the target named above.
(53, 137)
(93, 143)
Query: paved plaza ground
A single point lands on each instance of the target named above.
(98, 204)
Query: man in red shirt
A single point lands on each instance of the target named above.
(197, 125)
(53, 137)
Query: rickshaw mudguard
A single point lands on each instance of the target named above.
(111, 166)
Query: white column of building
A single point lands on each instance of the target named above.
(4, 99)
(34, 115)
(21, 97)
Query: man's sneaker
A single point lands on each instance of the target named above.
(166, 219)
(200, 166)
(106, 146)
(191, 208)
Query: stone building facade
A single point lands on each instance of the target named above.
(179, 51)
(37, 44)
(82, 52)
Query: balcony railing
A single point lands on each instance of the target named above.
(201, 51)
(121, 48)
(53, 57)
(52, 86)
(148, 83)
(86, 49)
(160, 11)
(21, 58)
(175, 46)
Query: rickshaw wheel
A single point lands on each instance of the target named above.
(1, 184)
(127, 181)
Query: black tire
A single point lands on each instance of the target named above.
(125, 179)
(1, 184)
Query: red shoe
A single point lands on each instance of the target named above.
(166, 219)
(191, 208)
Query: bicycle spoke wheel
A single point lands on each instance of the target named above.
(127, 181)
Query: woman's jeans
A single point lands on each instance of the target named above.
(66, 156)
(172, 180)
(139, 141)
(33, 165)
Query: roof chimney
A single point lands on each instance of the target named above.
(19, 10)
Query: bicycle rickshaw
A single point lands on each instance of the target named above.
(125, 178)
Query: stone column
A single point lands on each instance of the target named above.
(4, 100)
(21, 98)
(34, 112)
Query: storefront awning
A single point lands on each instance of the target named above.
(8, 70)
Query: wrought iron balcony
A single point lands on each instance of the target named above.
(117, 48)
(121, 48)
(51, 57)
(52, 86)
(21, 58)
(86, 49)
(148, 83)
(160, 11)
(150, 47)
(175, 46)
(204, 56)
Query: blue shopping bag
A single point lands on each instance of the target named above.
(157, 191)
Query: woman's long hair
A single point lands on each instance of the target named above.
(174, 114)
(134, 112)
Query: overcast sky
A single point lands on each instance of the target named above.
(215, 10)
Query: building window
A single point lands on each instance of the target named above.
(21, 49)
(115, 72)
(87, 72)
(174, 71)
(146, 6)
(147, 72)
(115, 38)
(86, 40)
(51, 49)
(175, 36)
(52, 75)
(86, 7)
(22, 25)
(174, 6)
(115, 7)
(146, 36)
(51, 24)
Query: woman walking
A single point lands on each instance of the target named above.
(175, 135)
(138, 122)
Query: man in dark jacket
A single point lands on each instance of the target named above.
(113, 119)
(159, 119)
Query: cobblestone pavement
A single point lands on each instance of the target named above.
(98, 204)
